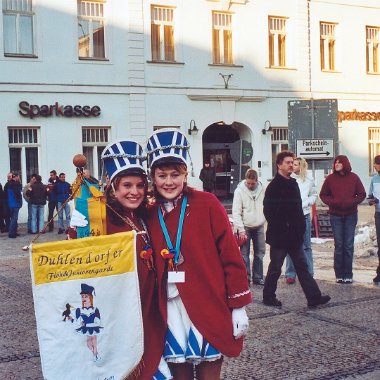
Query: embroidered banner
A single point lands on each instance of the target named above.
(87, 305)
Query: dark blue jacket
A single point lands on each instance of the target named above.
(14, 193)
(62, 190)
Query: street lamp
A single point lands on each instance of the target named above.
(267, 130)
(193, 130)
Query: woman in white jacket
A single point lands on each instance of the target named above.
(309, 197)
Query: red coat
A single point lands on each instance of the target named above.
(153, 322)
(215, 274)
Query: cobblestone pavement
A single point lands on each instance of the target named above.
(340, 340)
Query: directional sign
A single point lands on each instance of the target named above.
(315, 148)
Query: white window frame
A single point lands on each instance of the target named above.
(163, 17)
(19, 9)
(373, 49)
(95, 139)
(277, 41)
(328, 45)
(373, 147)
(280, 142)
(23, 138)
(91, 11)
(222, 24)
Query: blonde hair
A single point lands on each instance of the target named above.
(303, 168)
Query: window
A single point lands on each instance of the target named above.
(162, 33)
(279, 143)
(277, 42)
(373, 41)
(91, 29)
(18, 27)
(94, 140)
(373, 148)
(23, 151)
(327, 46)
(222, 38)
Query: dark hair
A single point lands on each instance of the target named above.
(53, 172)
(37, 177)
(115, 206)
(282, 155)
(61, 174)
(377, 159)
(344, 161)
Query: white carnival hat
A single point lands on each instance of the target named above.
(123, 155)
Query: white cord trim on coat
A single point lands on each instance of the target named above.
(237, 295)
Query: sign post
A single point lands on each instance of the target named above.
(315, 148)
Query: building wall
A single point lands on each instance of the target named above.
(135, 95)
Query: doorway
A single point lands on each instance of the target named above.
(228, 149)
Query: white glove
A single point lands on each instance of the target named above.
(78, 219)
(239, 322)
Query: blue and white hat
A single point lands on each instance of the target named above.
(167, 146)
(123, 155)
(86, 289)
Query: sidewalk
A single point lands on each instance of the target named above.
(337, 341)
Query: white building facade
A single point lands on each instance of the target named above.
(76, 75)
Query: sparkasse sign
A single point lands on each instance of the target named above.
(56, 109)
(315, 148)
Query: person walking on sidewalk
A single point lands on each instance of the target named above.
(309, 197)
(342, 191)
(373, 200)
(249, 220)
(63, 191)
(286, 228)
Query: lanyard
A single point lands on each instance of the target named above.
(179, 231)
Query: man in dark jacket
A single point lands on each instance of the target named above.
(208, 177)
(38, 194)
(63, 192)
(52, 198)
(285, 231)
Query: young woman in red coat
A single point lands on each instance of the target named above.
(201, 274)
(126, 198)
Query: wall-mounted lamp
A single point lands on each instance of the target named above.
(267, 130)
(193, 130)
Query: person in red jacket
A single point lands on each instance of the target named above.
(199, 266)
(342, 191)
(126, 200)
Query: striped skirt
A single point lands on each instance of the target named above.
(184, 343)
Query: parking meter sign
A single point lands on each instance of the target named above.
(315, 148)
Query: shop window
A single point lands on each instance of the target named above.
(94, 140)
(23, 151)
(327, 46)
(277, 41)
(373, 148)
(279, 143)
(91, 37)
(373, 49)
(18, 18)
(162, 33)
(222, 38)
